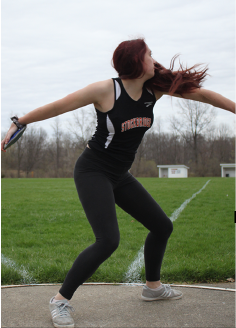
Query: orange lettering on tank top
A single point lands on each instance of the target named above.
(136, 122)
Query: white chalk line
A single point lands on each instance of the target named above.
(133, 274)
(121, 284)
(26, 276)
(177, 212)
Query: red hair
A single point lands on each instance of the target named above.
(128, 59)
(128, 62)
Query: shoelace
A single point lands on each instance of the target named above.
(64, 309)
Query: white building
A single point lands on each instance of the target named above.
(228, 170)
(173, 171)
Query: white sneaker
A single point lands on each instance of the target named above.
(60, 311)
(164, 293)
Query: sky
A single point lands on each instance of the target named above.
(51, 48)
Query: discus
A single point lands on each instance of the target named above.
(15, 137)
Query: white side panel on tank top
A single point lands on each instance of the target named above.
(118, 90)
(110, 126)
(111, 129)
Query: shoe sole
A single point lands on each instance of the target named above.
(161, 298)
(63, 326)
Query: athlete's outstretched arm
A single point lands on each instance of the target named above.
(80, 98)
(93, 93)
(213, 98)
(205, 96)
(210, 97)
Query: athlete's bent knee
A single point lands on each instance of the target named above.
(165, 230)
(110, 244)
(113, 243)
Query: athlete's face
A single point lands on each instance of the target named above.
(148, 64)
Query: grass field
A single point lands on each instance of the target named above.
(44, 228)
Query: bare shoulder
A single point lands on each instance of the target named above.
(104, 95)
(102, 87)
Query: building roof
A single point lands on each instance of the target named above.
(228, 165)
(172, 166)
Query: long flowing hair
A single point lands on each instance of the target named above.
(128, 60)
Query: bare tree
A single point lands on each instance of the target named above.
(193, 120)
(136, 166)
(35, 153)
(8, 161)
(57, 149)
(83, 126)
(20, 153)
(33, 143)
(223, 142)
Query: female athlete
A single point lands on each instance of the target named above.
(124, 107)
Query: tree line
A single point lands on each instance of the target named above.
(193, 141)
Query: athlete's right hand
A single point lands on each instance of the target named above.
(11, 131)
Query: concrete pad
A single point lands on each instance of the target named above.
(121, 306)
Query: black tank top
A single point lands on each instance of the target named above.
(119, 131)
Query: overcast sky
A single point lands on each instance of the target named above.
(51, 48)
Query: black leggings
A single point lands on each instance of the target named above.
(99, 190)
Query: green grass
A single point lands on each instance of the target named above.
(44, 228)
